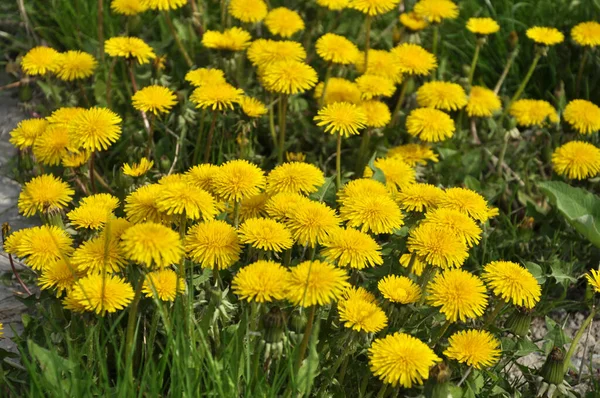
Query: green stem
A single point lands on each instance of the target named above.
(182, 231)
(282, 123)
(400, 102)
(367, 39)
(474, 63)
(287, 257)
(580, 71)
(338, 162)
(436, 34)
(576, 339)
(209, 139)
(441, 333)
(382, 391)
(236, 214)
(178, 42)
(150, 144)
(494, 314)
(306, 337)
(363, 151)
(502, 154)
(83, 94)
(427, 275)
(91, 171)
(100, 23)
(325, 83)
(511, 60)
(272, 123)
(199, 138)
(525, 81)
(131, 323)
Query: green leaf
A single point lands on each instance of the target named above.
(561, 275)
(52, 365)
(536, 271)
(580, 207)
(310, 366)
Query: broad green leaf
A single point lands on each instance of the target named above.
(536, 271)
(52, 365)
(310, 366)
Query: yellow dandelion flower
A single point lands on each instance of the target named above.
(155, 99)
(50, 147)
(533, 112)
(297, 177)
(98, 255)
(341, 118)
(378, 114)
(202, 76)
(202, 176)
(252, 207)
(477, 348)
(438, 245)
(218, 96)
(72, 304)
(514, 283)
(288, 77)
(60, 275)
(140, 205)
(249, 11)
(577, 160)
(238, 179)
(310, 222)
(63, 116)
(151, 244)
(138, 169)
(361, 186)
(295, 157)
(414, 154)
(234, 39)
(95, 129)
(165, 5)
(164, 284)
(375, 86)
(380, 63)
(413, 21)
(281, 205)
(93, 211)
(483, 102)
(460, 295)
(373, 7)
(459, 223)
(284, 22)
(430, 124)
(419, 197)
(418, 265)
(43, 246)
(115, 227)
(398, 174)
(75, 159)
(103, 293)
(261, 282)
(360, 313)
(378, 214)
(181, 198)
(414, 59)
(213, 244)
(401, 359)
(40, 60)
(252, 107)
(336, 49)
(399, 289)
(265, 234)
(482, 26)
(445, 96)
(351, 248)
(128, 7)
(436, 10)
(583, 115)
(593, 279)
(13, 241)
(334, 5)
(264, 52)
(43, 193)
(129, 48)
(316, 283)
(75, 65)
(27, 131)
(468, 202)
(338, 90)
(586, 34)
(545, 35)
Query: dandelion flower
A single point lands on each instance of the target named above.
(482, 26)
(248, 11)
(577, 160)
(141, 206)
(284, 22)
(398, 174)
(378, 214)
(468, 202)
(419, 197)
(138, 169)
(152, 244)
(438, 245)
(252, 207)
(165, 5)
(375, 86)
(75, 159)
(155, 99)
(460, 295)
(252, 107)
(72, 304)
(50, 147)
(380, 63)
(341, 118)
(265, 52)
(288, 77)
(165, 283)
(377, 113)
(102, 293)
(218, 96)
(261, 282)
(593, 279)
(430, 125)
(95, 129)
(43, 246)
(129, 48)
(43, 193)
(544, 35)
(399, 289)
(213, 244)
(361, 313)
(234, 39)
(202, 76)
(297, 177)
(280, 205)
(238, 179)
(13, 241)
(373, 7)
(128, 7)
(413, 154)
(412, 20)
(587, 34)
(27, 131)
(336, 49)
(334, 5)
(436, 10)
(310, 222)
(401, 359)
(483, 102)
(459, 223)
(351, 248)
(418, 265)
(93, 211)
(338, 90)
(63, 116)
(477, 348)
(361, 186)
(202, 176)
(265, 234)
(182, 198)
(59, 275)
(533, 112)
(75, 65)
(445, 96)
(512, 282)
(583, 115)
(98, 255)
(40, 60)
(316, 282)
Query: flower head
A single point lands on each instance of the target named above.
(262, 282)
(75, 159)
(155, 99)
(129, 48)
(380, 63)
(401, 359)
(483, 102)
(152, 244)
(482, 26)
(265, 234)
(202, 176)
(398, 174)
(417, 267)
(165, 5)
(234, 39)
(128, 7)
(93, 211)
(178, 197)
(165, 283)
(27, 131)
(459, 223)
(40, 60)
(533, 112)
(50, 147)
(59, 275)
(430, 124)
(358, 311)
(103, 293)
(138, 169)
(264, 52)
(341, 118)
(252, 207)
(95, 129)
(399, 289)
(336, 49)
(316, 283)
(361, 186)
(282, 204)
(284, 22)
(375, 86)
(438, 245)
(43, 193)
(477, 348)
(413, 154)
(586, 34)
(351, 248)
(40, 246)
(202, 76)
(468, 202)
(238, 179)
(338, 90)
(514, 283)
(218, 96)
(419, 197)
(310, 222)
(577, 159)
(297, 177)
(412, 20)
(63, 116)
(414, 59)
(460, 295)
(373, 7)
(288, 77)
(98, 255)
(445, 96)
(213, 244)
(140, 205)
(378, 214)
(436, 10)
(583, 115)
(74, 65)
(593, 279)
(249, 11)
(377, 112)
(252, 107)
(544, 35)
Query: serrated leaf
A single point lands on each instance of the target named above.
(536, 271)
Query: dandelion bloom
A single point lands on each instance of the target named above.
(13, 241)
(98, 255)
(152, 244)
(201, 76)
(336, 49)
(165, 283)
(334, 5)
(361, 186)
(202, 176)
(138, 169)
(155, 99)
(264, 52)
(459, 223)
(93, 211)
(140, 205)
(316, 282)
(378, 214)
(74, 65)
(380, 63)
(265, 234)
(310, 222)
(358, 311)
(252, 207)
(103, 293)
(43, 193)
(512, 282)
(377, 112)
(372, 86)
(483, 102)
(234, 39)
(50, 147)
(445, 96)
(351, 248)
(412, 20)
(165, 5)
(341, 118)
(59, 275)
(414, 154)
(586, 34)
(218, 96)
(398, 174)
(419, 197)
(238, 179)
(27, 131)
(129, 48)
(280, 205)
(178, 197)
(40, 60)
(593, 279)
(213, 244)
(401, 359)
(75, 159)
(373, 7)
(249, 11)
(545, 35)
(577, 160)
(252, 107)
(477, 348)
(261, 282)
(460, 295)
(468, 202)
(40, 246)
(62, 116)
(399, 289)
(128, 7)
(438, 245)
(283, 22)
(482, 26)
(297, 177)
(430, 124)
(338, 90)
(436, 10)
(95, 129)
(583, 115)
(414, 59)
(533, 112)
(288, 77)
(418, 265)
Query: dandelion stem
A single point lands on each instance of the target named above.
(100, 23)
(511, 60)
(434, 45)
(521, 88)
(178, 42)
(367, 39)
(150, 144)
(306, 337)
(494, 314)
(474, 63)
(400, 102)
(182, 230)
(363, 151)
(502, 154)
(467, 373)
(325, 83)
(282, 123)
(580, 71)
(111, 70)
(131, 323)
(442, 332)
(83, 94)
(209, 139)
(338, 162)
(16, 274)
(199, 138)
(91, 171)
(382, 391)
(272, 122)
(236, 214)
